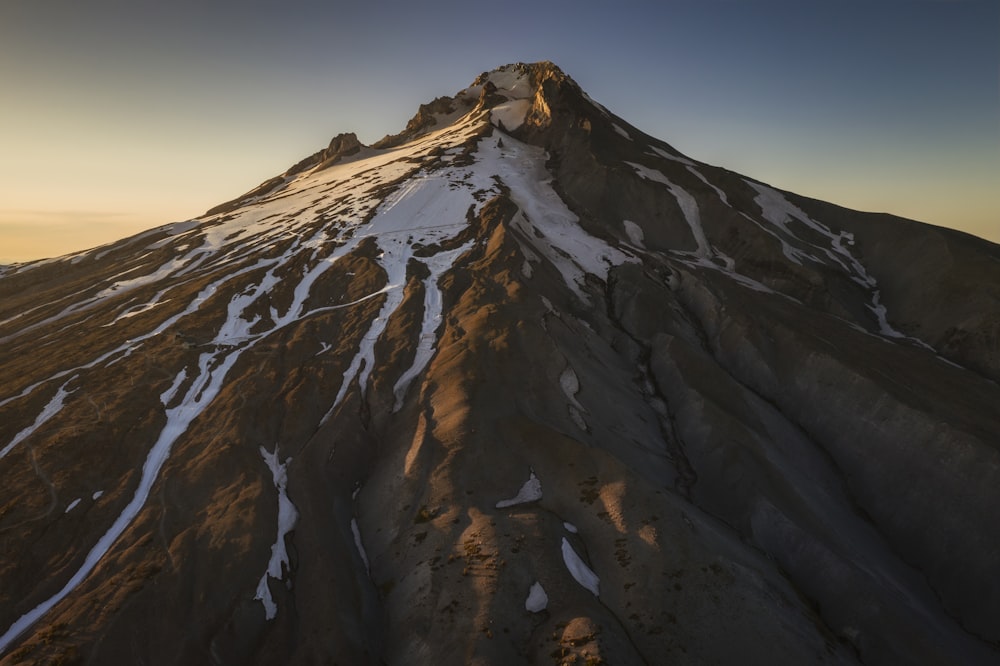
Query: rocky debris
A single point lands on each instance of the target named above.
(315, 425)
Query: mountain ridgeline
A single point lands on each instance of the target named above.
(519, 384)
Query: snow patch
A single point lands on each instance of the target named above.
(570, 527)
(537, 600)
(570, 384)
(72, 505)
(620, 131)
(531, 491)
(583, 574)
(96, 496)
(634, 233)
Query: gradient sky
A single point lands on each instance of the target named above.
(119, 116)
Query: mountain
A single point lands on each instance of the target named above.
(519, 384)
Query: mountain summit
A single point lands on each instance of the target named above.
(519, 384)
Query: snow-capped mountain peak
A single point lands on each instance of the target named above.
(315, 423)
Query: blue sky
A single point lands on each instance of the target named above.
(118, 116)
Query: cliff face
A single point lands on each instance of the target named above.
(520, 384)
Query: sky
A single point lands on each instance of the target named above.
(118, 116)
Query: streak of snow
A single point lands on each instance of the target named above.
(675, 158)
(437, 265)
(583, 574)
(50, 410)
(254, 230)
(777, 210)
(687, 203)
(287, 516)
(570, 527)
(621, 131)
(169, 394)
(722, 195)
(72, 505)
(160, 273)
(537, 600)
(563, 241)
(360, 546)
(531, 491)
(97, 495)
(201, 393)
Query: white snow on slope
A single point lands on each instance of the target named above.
(531, 491)
(510, 115)
(50, 410)
(583, 574)
(287, 516)
(676, 158)
(356, 531)
(202, 392)
(571, 386)
(428, 209)
(634, 233)
(698, 174)
(259, 231)
(780, 212)
(687, 204)
(537, 600)
(437, 265)
(72, 505)
(563, 241)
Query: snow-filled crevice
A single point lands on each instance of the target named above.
(277, 565)
(53, 407)
(437, 265)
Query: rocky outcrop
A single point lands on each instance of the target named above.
(427, 116)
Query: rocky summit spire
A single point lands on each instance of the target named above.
(519, 384)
